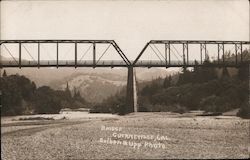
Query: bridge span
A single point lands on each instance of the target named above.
(167, 53)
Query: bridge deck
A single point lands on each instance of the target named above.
(89, 63)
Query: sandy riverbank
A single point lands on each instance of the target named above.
(186, 136)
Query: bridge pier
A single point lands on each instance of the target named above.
(131, 97)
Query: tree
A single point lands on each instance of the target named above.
(4, 73)
(20, 96)
(243, 72)
(225, 73)
(47, 101)
(76, 93)
(244, 111)
(12, 96)
(203, 73)
(167, 82)
(185, 77)
(67, 92)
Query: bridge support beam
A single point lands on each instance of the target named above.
(131, 97)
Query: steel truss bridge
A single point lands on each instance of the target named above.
(166, 56)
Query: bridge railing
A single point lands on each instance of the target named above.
(110, 63)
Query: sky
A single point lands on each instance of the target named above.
(130, 23)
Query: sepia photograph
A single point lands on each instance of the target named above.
(124, 79)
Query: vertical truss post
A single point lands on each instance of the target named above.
(205, 48)
(218, 56)
(187, 53)
(183, 54)
(236, 53)
(20, 54)
(241, 56)
(38, 56)
(75, 54)
(94, 54)
(223, 53)
(201, 52)
(57, 54)
(169, 53)
(166, 52)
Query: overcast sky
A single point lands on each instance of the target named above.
(130, 23)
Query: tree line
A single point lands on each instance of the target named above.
(21, 96)
(198, 88)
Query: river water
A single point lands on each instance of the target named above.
(61, 115)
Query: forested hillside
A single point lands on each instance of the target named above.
(21, 96)
(199, 88)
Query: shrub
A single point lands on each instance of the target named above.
(180, 109)
(244, 111)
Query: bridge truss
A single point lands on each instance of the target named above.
(18, 61)
(167, 53)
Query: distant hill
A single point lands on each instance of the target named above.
(93, 84)
(94, 88)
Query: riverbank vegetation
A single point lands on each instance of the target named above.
(22, 96)
(211, 89)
